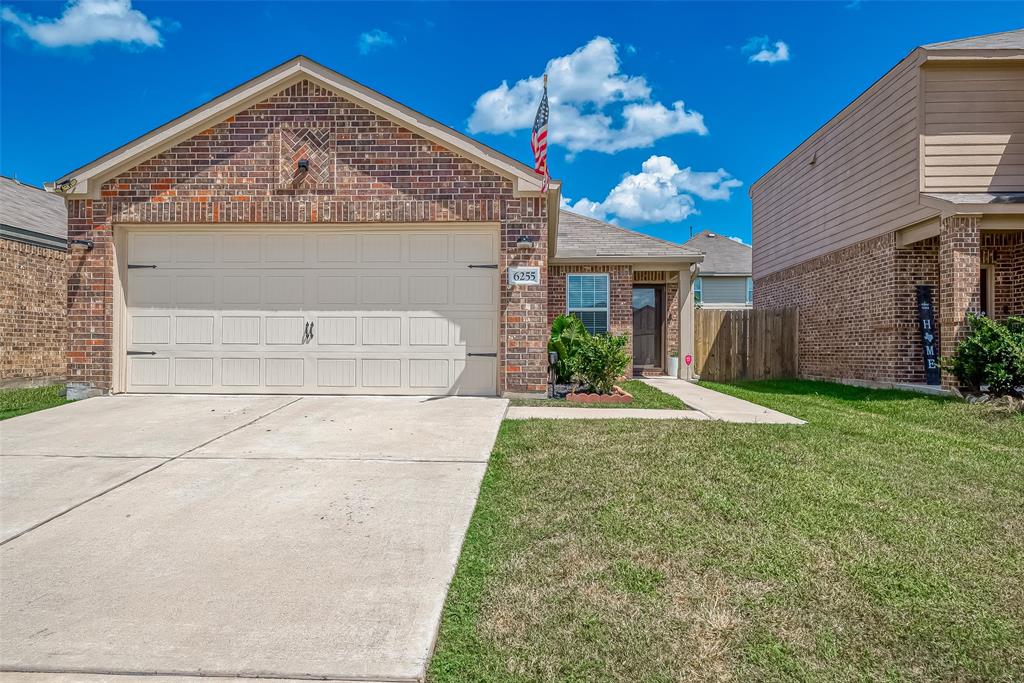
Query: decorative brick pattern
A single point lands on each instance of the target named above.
(313, 145)
(33, 325)
(383, 173)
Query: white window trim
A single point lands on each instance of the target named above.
(607, 309)
(698, 290)
(748, 291)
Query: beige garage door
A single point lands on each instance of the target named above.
(291, 311)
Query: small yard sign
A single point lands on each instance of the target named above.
(929, 339)
(524, 275)
(688, 359)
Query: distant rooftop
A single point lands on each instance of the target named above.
(722, 255)
(584, 237)
(1007, 40)
(31, 208)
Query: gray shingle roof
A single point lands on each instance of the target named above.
(722, 255)
(584, 237)
(31, 208)
(1007, 40)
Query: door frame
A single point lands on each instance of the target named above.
(661, 316)
(119, 270)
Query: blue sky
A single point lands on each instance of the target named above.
(753, 80)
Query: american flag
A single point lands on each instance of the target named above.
(539, 138)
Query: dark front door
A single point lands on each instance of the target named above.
(647, 324)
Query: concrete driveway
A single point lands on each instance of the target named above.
(277, 537)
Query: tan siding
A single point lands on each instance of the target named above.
(864, 182)
(974, 128)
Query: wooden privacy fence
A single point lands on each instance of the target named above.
(746, 344)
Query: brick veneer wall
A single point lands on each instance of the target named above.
(620, 292)
(33, 325)
(916, 264)
(1004, 251)
(364, 169)
(847, 327)
(959, 265)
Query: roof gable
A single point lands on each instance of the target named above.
(581, 237)
(722, 255)
(85, 181)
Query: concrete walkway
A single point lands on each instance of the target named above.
(718, 406)
(704, 404)
(560, 413)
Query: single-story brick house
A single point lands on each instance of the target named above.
(725, 280)
(303, 233)
(33, 285)
(919, 182)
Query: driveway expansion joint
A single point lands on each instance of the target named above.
(163, 461)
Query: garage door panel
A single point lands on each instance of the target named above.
(240, 329)
(336, 331)
(284, 329)
(240, 372)
(227, 311)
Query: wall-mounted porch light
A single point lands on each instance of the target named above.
(88, 244)
(524, 242)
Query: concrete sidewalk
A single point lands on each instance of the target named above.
(561, 413)
(718, 406)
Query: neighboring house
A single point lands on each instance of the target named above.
(33, 282)
(303, 233)
(919, 181)
(725, 276)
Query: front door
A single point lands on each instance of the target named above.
(647, 327)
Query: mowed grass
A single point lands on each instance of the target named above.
(644, 396)
(882, 541)
(14, 402)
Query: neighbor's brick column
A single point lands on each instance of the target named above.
(959, 274)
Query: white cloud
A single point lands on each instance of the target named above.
(763, 50)
(85, 22)
(374, 39)
(583, 90)
(736, 239)
(661, 193)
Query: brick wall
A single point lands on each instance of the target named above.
(1004, 251)
(363, 169)
(620, 292)
(917, 264)
(33, 326)
(959, 265)
(847, 326)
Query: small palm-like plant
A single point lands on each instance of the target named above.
(567, 335)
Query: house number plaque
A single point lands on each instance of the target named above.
(524, 276)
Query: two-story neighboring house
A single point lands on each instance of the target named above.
(918, 182)
(725, 275)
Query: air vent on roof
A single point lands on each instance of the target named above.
(711, 234)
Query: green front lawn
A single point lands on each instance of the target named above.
(884, 540)
(14, 402)
(644, 396)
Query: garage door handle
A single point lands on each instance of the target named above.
(142, 353)
(493, 266)
(486, 355)
(140, 265)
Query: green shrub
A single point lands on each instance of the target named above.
(600, 361)
(992, 354)
(567, 334)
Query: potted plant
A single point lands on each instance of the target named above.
(673, 364)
